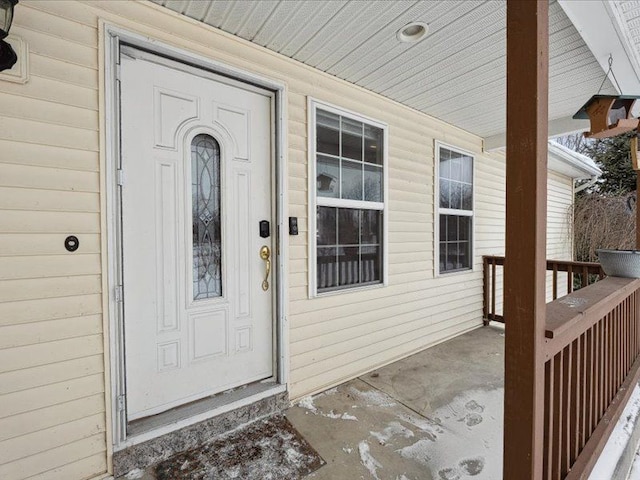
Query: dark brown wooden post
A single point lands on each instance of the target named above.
(525, 264)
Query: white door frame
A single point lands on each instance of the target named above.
(113, 296)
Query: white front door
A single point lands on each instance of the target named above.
(196, 183)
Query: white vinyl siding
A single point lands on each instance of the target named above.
(559, 232)
(54, 422)
(559, 227)
(52, 383)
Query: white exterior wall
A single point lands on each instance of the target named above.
(52, 381)
(559, 234)
(54, 421)
(559, 227)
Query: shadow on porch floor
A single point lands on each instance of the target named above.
(435, 415)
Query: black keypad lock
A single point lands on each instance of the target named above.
(264, 229)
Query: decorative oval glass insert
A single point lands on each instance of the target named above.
(206, 218)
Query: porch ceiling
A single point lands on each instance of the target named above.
(456, 74)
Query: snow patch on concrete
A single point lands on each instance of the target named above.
(634, 474)
(341, 416)
(134, 474)
(367, 459)
(429, 428)
(374, 398)
(331, 391)
(463, 435)
(392, 430)
(606, 465)
(307, 403)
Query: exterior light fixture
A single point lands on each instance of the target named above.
(8, 57)
(412, 32)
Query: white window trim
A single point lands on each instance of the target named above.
(312, 105)
(451, 211)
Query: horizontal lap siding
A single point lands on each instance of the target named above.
(559, 233)
(52, 383)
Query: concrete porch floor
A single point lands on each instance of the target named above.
(435, 415)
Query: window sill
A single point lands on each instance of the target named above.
(455, 273)
(344, 291)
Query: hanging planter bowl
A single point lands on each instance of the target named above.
(620, 263)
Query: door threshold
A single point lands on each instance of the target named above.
(144, 429)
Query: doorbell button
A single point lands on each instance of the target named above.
(293, 225)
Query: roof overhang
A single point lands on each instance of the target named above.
(572, 164)
(557, 128)
(457, 72)
(606, 32)
(604, 29)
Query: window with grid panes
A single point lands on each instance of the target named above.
(455, 187)
(349, 154)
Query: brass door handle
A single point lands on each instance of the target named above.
(265, 254)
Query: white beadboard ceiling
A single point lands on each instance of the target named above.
(456, 74)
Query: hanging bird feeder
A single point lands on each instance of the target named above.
(609, 115)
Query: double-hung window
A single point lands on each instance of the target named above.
(348, 164)
(455, 191)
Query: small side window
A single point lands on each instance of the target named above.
(455, 210)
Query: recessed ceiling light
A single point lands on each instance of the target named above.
(413, 32)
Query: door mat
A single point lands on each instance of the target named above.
(270, 449)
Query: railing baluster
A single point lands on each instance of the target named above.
(555, 281)
(556, 453)
(612, 353)
(595, 416)
(548, 420)
(584, 392)
(602, 376)
(566, 408)
(585, 277)
(615, 356)
(631, 332)
(574, 403)
(493, 290)
(634, 322)
(569, 279)
(618, 352)
(486, 288)
(636, 328)
(588, 382)
(610, 356)
(627, 336)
